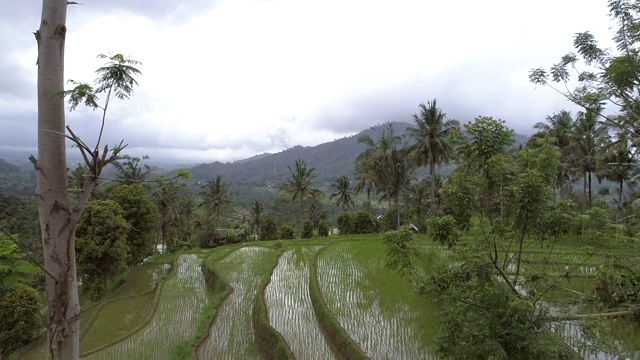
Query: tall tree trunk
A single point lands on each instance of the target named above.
(433, 187)
(589, 189)
(618, 213)
(57, 219)
(397, 213)
(300, 216)
(561, 182)
(584, 189)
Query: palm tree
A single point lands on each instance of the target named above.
(300, 186)
(167, 195)
(559, 127)
(316, 213)
(431, 148)
(417, 198)
(586, 139)
(399, 176)
(373, 163)
(343, 193)
(617, 162)
(76, 178)
(384, 166)
(257, 213)
(131, 171)
(216, 196)
(185, 225)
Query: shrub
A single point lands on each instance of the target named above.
(286, 232)
(232, 237)
(558, 220)
(389, 220)
(363, 223)
(345, 223)
(443, 230)
(205, 234)
(307, 230)
(323, 229)
(399, 249)
(21, 322)
(268, 230)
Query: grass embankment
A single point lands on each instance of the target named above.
(134, 307)
(218, 291)
(133, 303)
(341, 344)
(271, 343)
(289, 304)
(231, 334)
(378, 308)
(182, 300)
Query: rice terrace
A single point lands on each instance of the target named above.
(412, 235)
(306, 299)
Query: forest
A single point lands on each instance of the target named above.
(444, 239)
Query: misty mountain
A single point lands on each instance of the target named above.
(331, 160)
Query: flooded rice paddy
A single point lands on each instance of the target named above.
(290, 309)
(231, 335)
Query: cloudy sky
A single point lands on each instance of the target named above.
(229, 79)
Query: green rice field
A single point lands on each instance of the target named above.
(163, 307)
(290, 309)
(376, 307)
(230, 335)
(181, 301)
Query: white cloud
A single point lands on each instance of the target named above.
(242, 77)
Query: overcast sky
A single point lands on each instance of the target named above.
(228, 79)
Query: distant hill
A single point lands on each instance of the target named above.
(8, 168)
(15, 180)
(331, 160)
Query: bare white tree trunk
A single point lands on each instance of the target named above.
(57, 219)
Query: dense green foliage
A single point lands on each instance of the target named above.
(345, 223)
(101, 245)
(142, 215)
(484, 319)
(14, 268)
(323, 229)
(363, 223)
(287, 232)
(443, 230)
(268, 230)
(21, 322)
(19, 217)
(384, 167)
(307, 230)
(176, 210)
(15, 180)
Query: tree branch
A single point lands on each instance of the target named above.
(607, 315)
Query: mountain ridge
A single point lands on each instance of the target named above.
(331, 160)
